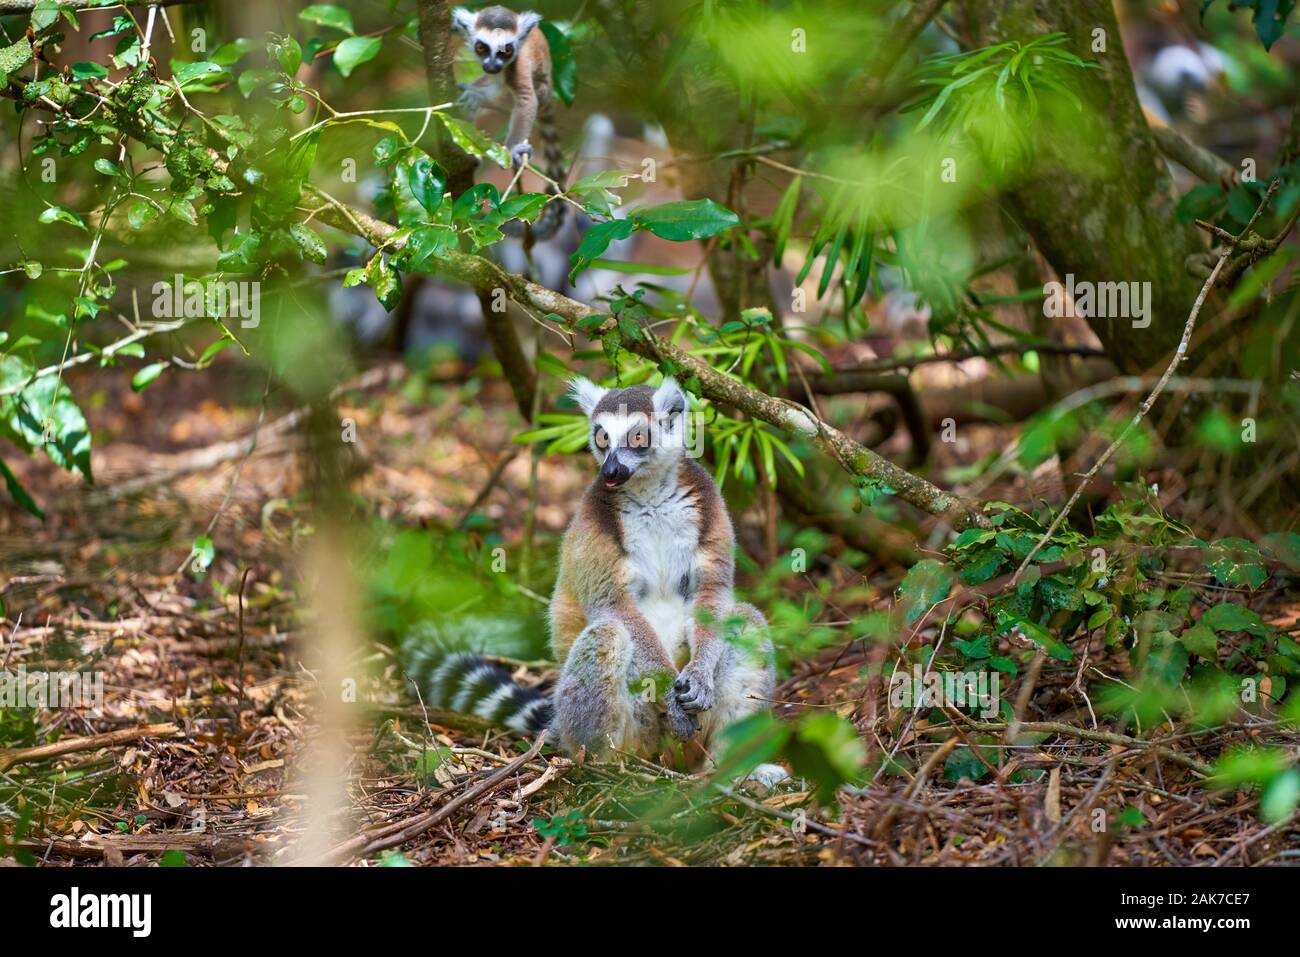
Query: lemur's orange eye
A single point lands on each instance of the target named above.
(481, 48)
(508, 50)
(602, 440)
(638, 439)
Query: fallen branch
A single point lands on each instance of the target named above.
(363, 847)
(11, 756)
(114, 845)
(210, 456)
(1101, 737)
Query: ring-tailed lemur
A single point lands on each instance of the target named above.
(643, 615)
(510, 48)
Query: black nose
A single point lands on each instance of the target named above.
(614, 473)
(491, 66)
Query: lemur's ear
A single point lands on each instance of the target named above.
(462, 19)
(526, 23)
(586, 393)
(669, 399)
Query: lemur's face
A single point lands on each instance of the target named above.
(633, 430)
(495, 33)
(495, 49)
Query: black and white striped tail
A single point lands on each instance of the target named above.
(468, 683)
(552, 215)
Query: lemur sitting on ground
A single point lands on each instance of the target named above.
(643, 615)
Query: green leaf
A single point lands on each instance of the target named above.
(286, 52)
(564, 68)
(32, 268)
(1233, 617)
(473, 141)
(755, 740)
(201, 553)
(141, 214)
(973, 536)
(1039, 636)
(977, 647)
(57, 214)
(18, 493)
(44, 14)
(1280, 797)
(428, 180)
(173, 858)
(43, 415)
(595, 241)
(329, 15)
(827, 750)
(925, 584)
(309, 244)
(686, 219)
(252, 80)
(212, 351)
(1132, 817)
(1201, 640)
(87, 70)
(107, 167)
(525, 206)
(963, 763)
(1236, 561)
(594, 190)
(202, 76)
(354, 51)
(385, 281)
(140, 381)
(387, 150)
(184, 210)
(981, 565)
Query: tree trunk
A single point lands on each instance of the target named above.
(1098, 200)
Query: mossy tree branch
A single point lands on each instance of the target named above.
(485, 276)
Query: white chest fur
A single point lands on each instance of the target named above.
(660, 537)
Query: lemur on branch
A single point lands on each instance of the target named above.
(643, 616)
(516, 60)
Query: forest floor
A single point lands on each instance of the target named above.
(210, 704)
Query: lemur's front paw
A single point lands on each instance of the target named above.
(471, 100)
(681, 723)
(693, 689)
(520, 154)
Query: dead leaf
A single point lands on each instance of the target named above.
(1052, 803)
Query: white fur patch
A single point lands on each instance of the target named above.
(520, 720)
(467, 689)
(586, 393)
(486, 707)
(768, 775)
(661, 535)
(463, 19)
(667, 396)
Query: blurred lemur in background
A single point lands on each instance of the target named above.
(643, 617)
